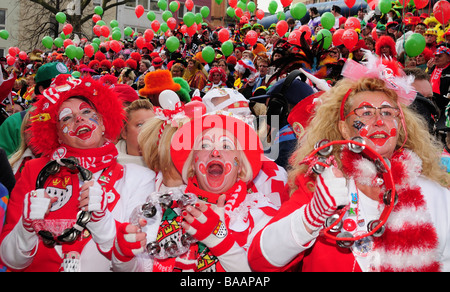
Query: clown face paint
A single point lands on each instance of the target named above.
(216, 162)
(79, 125)
(380, 133)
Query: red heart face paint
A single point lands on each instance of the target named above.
(215, 163)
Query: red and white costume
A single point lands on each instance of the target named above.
(416, 236)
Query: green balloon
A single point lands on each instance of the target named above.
(101, 23)
(166, 15)
(227, 48)
(173, 6)
(98, 10)
(385, 6)
(281, 15)
(58, 42)
(189, 19)
(414, 45)
(172, 43)
(298, 10)
(95, 46)
(273, 6)
(251, 6)
(241, 5)
(162, 4)
(114, 23)
(96, 41)
(151, 15)
(128, 31)
(71, 51)
(230, 11)
(4, 34)
(327, 20)
(47, 42)
(204, 11)
(325, 34)
(116, 35)
(198, 18)
(208, 54)
(60, 17)
(63, 36)
(76, 74)
(79, 52)
(164, 27)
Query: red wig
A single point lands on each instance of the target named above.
(385, 41)
(44, 132)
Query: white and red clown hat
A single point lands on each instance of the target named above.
(44, 138)
(183, 140)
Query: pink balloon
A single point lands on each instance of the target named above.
(281, 28)
(139, 11)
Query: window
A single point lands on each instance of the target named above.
(181, 11)
(2, 19)
(154, 5)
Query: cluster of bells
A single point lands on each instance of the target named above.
(69, 235)
(324, 148)
(175, 244)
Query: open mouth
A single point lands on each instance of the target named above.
(379, 138)
(83, 132)
(215, 169)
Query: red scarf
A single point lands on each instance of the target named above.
(404, 244)
(436, 79)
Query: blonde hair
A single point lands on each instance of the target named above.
(324, 125)
(246, 173)
(156, 148)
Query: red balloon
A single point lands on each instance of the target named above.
(421, 3)
(259, 14)
(349, 3)
(224, 35)
(251, 37)
(89, 50)
(171, 23)
(96, 18)
(23, 56)
(67, 29)
(67, 43)
(233, 3)
(105, 31)
(374, 34)
(247, 14)
(155, 25)
(352, 23)
(337, 37)
(306, 28)
(149, 35)
(239, 13)
(404, 2)
(281, 28)
(349, 38)
(191, 30)
(139, 11)
(286, 2)
(294, 37)
(140, 42)
(183, 28)
(115, 46)
(441, 11)
(97, 30)
(13, 51)
(189, 4)
(10, 60)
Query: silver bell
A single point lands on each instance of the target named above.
(318, 168)
(356, 148)
(325, 151)
(345, 243)
(372, 225)
(171, 248)
(148, 210)
(330, 220)
(153, 248)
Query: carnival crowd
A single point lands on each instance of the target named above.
(242, 194)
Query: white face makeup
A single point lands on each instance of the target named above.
(216, 161)
(376, 121)
(79, 125)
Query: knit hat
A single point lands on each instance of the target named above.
(49, 71)
(157, 62)
(125, 92)
(44, 118)
(183, 93)
(156, 82)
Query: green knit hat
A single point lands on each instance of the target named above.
(183, 93)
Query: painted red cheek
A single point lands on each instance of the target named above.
(393, 132)
(227, 168)
(363, 132)
(202, 168)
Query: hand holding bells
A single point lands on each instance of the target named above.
(171, 240)
(330, 192)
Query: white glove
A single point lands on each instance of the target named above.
(330, 193)
(35, 207)
(93, 199)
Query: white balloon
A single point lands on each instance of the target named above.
(168, 99)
